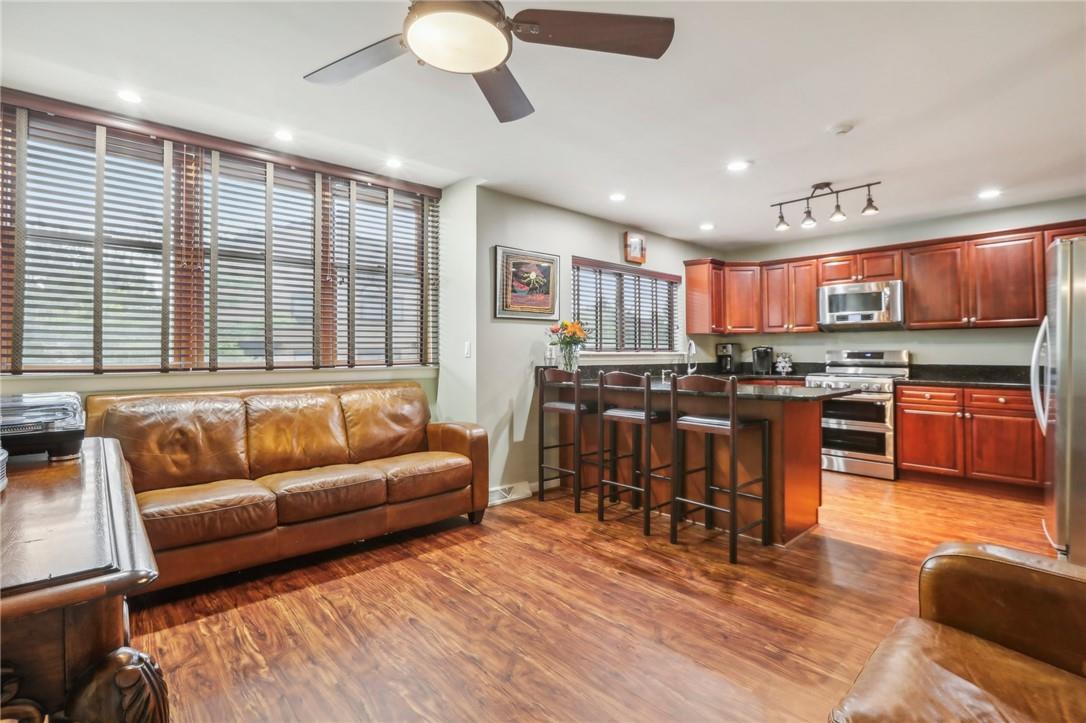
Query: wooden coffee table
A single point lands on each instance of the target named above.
(73, 546)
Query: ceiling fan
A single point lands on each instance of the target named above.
(475, 37)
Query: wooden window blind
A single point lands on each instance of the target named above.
(124, 251)
(624, 309)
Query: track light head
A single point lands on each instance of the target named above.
(870, 209)
(838, 215)
(808, 219)
(782, 225)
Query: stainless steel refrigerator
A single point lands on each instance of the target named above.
(1058, 384)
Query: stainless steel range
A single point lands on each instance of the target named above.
(858, 430)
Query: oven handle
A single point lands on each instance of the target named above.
(864, 397)
(879, 427)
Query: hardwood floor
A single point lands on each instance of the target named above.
(541, 614)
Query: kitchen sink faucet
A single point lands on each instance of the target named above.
(691, 352)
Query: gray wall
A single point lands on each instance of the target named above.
(508, 349)
(947, 346)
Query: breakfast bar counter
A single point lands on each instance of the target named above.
(795, 419)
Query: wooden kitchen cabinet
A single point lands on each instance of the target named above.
(930, 439)
(856, 268)
(988, 434)
(742, 299)
(705, 297)
(936, 287)
(1007, 280)
(992, 281)
(790, 297)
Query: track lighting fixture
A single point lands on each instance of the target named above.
(821, 190)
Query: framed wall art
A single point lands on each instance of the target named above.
(634, 244)
(525, 284)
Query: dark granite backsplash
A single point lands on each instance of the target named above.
(970, 374)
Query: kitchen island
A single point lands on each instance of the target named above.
(795, 417)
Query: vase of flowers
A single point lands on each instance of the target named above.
(569, 337)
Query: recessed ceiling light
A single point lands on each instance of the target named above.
(284, 135)
(129, 96)
(617, 196)
(707, 226)
(393, 163)
(988, 194)
(738, 166)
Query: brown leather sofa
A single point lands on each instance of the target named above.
(230, 479)
(1001, 637)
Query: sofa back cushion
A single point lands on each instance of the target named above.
(174, 441)
(294, 431)
(385, 421)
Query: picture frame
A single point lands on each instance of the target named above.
(634, 246)
(526, 284)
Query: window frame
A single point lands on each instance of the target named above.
(623, 323)
(189, 279)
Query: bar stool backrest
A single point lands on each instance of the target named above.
(614, 381)
(703, 383)
(551, 375)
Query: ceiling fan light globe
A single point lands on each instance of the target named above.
(458, 37)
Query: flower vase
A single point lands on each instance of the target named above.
(569, 358)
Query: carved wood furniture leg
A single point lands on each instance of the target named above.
(127, 686)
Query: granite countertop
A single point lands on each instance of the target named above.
(967, 375)
(777, 393)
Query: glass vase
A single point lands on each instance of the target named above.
(569, 357)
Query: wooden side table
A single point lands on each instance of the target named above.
(73, 546)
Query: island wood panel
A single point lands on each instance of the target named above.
(795, 459)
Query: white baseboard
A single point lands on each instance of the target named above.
(517, 491)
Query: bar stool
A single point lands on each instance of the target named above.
(576, 409)
(610, 415)
(713, 427)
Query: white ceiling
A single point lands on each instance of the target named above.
(946, 97)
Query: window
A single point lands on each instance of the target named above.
(624, 309)
(125, 250)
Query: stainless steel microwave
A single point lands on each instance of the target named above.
(858, 307)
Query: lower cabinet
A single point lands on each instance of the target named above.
(930, 439)
(986, 434)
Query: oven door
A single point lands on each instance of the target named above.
(868, 408)
(858, 440)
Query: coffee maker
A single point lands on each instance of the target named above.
(727, 358)
(762, 357)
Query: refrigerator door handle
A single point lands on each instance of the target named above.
(1035, 377)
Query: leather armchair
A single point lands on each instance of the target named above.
(1001, 636)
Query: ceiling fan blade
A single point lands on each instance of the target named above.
(358, 62)
(504, 94)
(639, 35)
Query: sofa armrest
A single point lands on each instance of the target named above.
(1026, 602)
(469, 440)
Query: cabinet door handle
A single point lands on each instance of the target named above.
(968, 415)
(1002, 400)
(958, 415)
(965, 319)
(972, 320)
(927, 395)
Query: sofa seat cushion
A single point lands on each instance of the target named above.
(325, 491)
(179, 516)
(422, 474)
(924, 671)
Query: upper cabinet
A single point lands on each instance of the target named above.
(790, 297)
(742, 299)
(854, 268)
(705, 296)
(722, 298)
(993, 281)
